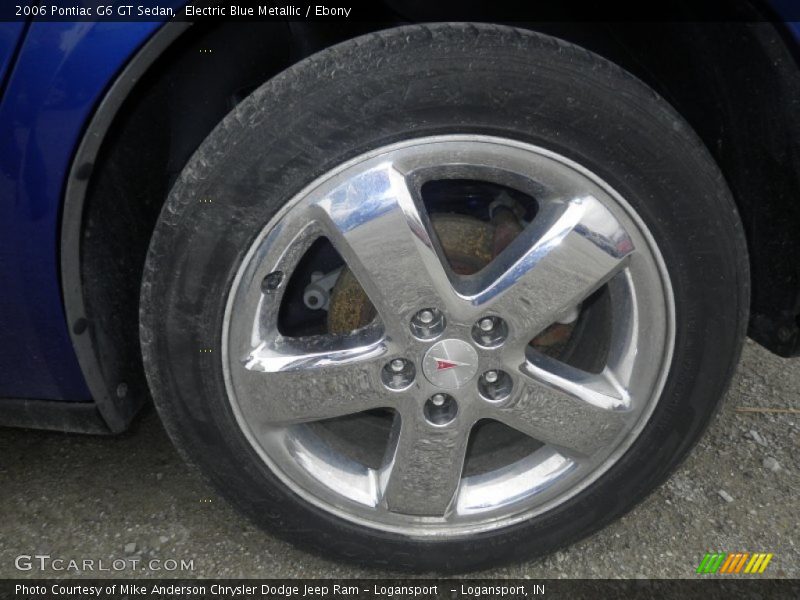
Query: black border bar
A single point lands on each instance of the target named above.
(707, 588)
(403, 10)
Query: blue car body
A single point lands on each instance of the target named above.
(59, 74)
(53, 75)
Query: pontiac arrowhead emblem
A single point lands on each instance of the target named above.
(442, 364)
(449, 364)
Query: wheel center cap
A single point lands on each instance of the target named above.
(450, 364)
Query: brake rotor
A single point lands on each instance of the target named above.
(469, 244)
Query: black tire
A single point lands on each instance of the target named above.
(417, 81)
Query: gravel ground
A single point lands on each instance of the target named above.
(76, 496)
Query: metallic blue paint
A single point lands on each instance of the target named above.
(787, 10)
(60, 74)
(10, 38)
(794, 27)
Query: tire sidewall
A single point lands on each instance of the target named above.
(416, 82)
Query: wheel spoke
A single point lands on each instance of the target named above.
(565, 407)
(568, 252)
(385, 239)
(311, 387)
(425, 467)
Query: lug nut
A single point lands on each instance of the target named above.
(495, 386)
(440, 409)
(398, 374)
(427, 324)
(490, 332)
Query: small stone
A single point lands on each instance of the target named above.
(757, 438)
(771, 464)
(130, 548)
(163, 539)
(159, 476)
(725, 495)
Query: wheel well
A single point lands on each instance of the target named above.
(737, 84)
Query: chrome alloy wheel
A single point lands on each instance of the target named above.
(441, 381)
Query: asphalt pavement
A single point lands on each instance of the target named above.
(131, 499)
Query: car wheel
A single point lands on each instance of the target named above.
(444, 296)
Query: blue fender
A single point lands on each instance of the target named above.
(61, 73)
